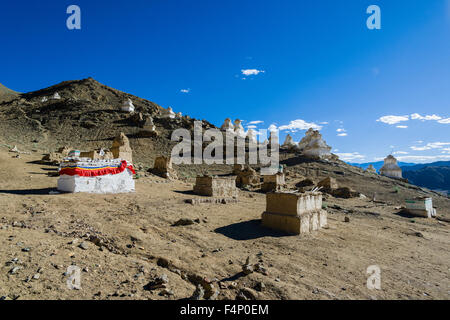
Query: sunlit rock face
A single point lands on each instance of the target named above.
(391, 168)
(227, 125)
(313, 145)
(127, 106)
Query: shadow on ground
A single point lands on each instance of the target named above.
(248, 230)
(25, 192)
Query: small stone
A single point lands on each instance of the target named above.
(14, 270)
(183, 222)
(84, 245)
(36, 276)
(247, 268)
(26, 249)
(198, 293)
(346, 219)
(260, 286)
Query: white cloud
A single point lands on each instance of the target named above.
(430, 146)
(251, 127)
(251, 72)
(393, 119)
(272, 127)
(424, 158)
(350, 156)
(256, 122)
(185, 90)
(444, 121)
(344, 134)
(416, 116)
(300, 124)
(340, 130)
(400, 152)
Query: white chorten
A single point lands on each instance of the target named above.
(168, 113)
(238, 128)
(371, 169)
(313, 145)
(227, 125)
(44, 99)
(56, 96)
(127, 106)
(391, 168)
(289, 142)
(149, 125)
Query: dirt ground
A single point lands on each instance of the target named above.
(41, 233)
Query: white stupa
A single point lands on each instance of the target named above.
(289, 143)
(227, 125)
(371, 169)
(168, 113)
(44, 99)
(391, 168)
(127, 106)
(149, 125)
(238, 128)
(313, 145)
(56, 96)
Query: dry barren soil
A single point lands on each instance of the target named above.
(123, 242)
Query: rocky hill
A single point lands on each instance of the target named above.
(6, 94)
(87, 116)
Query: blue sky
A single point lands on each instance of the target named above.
(309, 63)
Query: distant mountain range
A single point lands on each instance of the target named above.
(434, 176)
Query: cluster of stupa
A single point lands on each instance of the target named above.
(55, 96)
(312, 144)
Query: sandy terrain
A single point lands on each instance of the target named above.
(40, 233)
